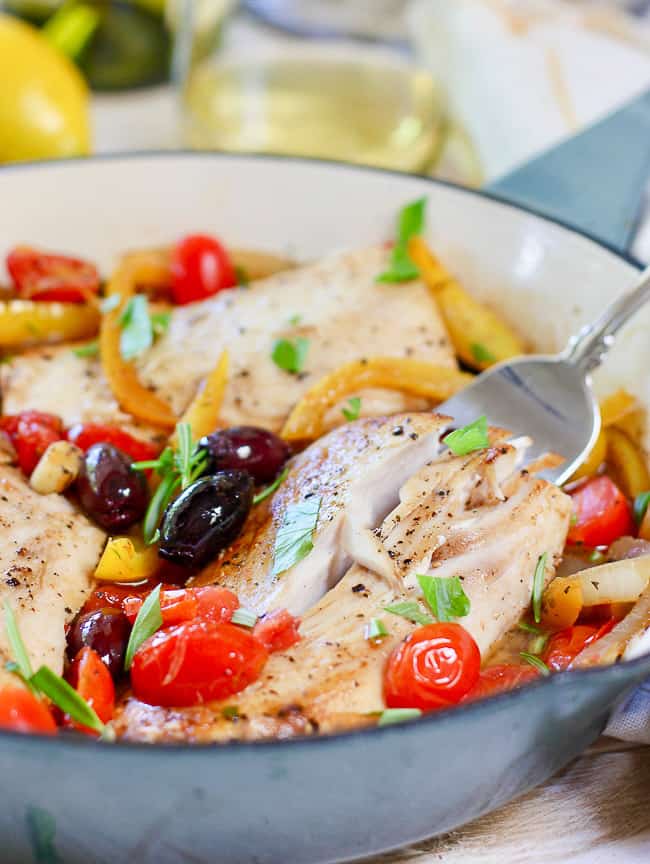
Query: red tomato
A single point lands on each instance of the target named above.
(42, 276)
(115, 596)
(176, 604)
(196, 662)
(185, 604)
(21, 711)
(564, 647)
(498, 679)
(602, 513)
(200, 267)
(93, 682)
(277, 631)
(434, 667)
(215, 603)
(84, 435)
(31, 433)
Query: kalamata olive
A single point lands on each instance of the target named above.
(246, 448)
(110, 490)
(104, 630)
(205, 518)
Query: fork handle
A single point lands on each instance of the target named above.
(587, 349)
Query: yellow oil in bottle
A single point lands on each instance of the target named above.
(373, 113)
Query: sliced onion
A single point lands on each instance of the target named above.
(616, 582)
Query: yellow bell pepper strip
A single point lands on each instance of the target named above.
(415, 377)
(30, 322)
(561, 603)
(121, 374)
(123, 561)
(202, 413)
(594, 460)
(627, 463)
(616, 406)
(480, 338)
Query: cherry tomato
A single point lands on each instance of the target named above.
(31, 433)
(434, 667)
(277, 631)
(564, 647)
(602, 513)
(43, 276)
(196, 662)
(200, 267)
(498, 679)
(21, 711)
(115, 595)
(184, 604)
(84, 435)
(215, 603)
(93, 682)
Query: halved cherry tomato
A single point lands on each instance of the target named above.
(116, 595)
(21, 711)
(564, 647)
(84, 435)
(200, 266)
(43, 276)
(196, 662)
(184, 604)
(31, 433)
(498, 679)
(434, 667)
(90, 677)
(602, 513)
(277, 631)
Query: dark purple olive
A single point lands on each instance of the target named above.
(246, 448)
(205, 518)
(106, 631)
(110, 490)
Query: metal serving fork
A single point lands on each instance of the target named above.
(550, 397)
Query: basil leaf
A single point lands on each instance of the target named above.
(411, 610)
(137, 332)
(472, 437)
(244, 617)
(149, 620)
(397, 715)
(90, 349)
(640, 506)
(265, 493)
(184, 452)
(410, 223)
(375, 629)
(293, 542)
(160, 322)
(18, 650)
(159, 500)
(445, 596)
(535, 661)
(66, 698)
(481, 354)
(538, 587)
(352, 413)
(290, 356)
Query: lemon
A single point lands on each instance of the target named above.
(43, 98)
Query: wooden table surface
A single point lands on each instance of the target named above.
(596, 811)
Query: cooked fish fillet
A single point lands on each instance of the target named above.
(47, 556)
(477, 517)
(336, 304)
(356, 472)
